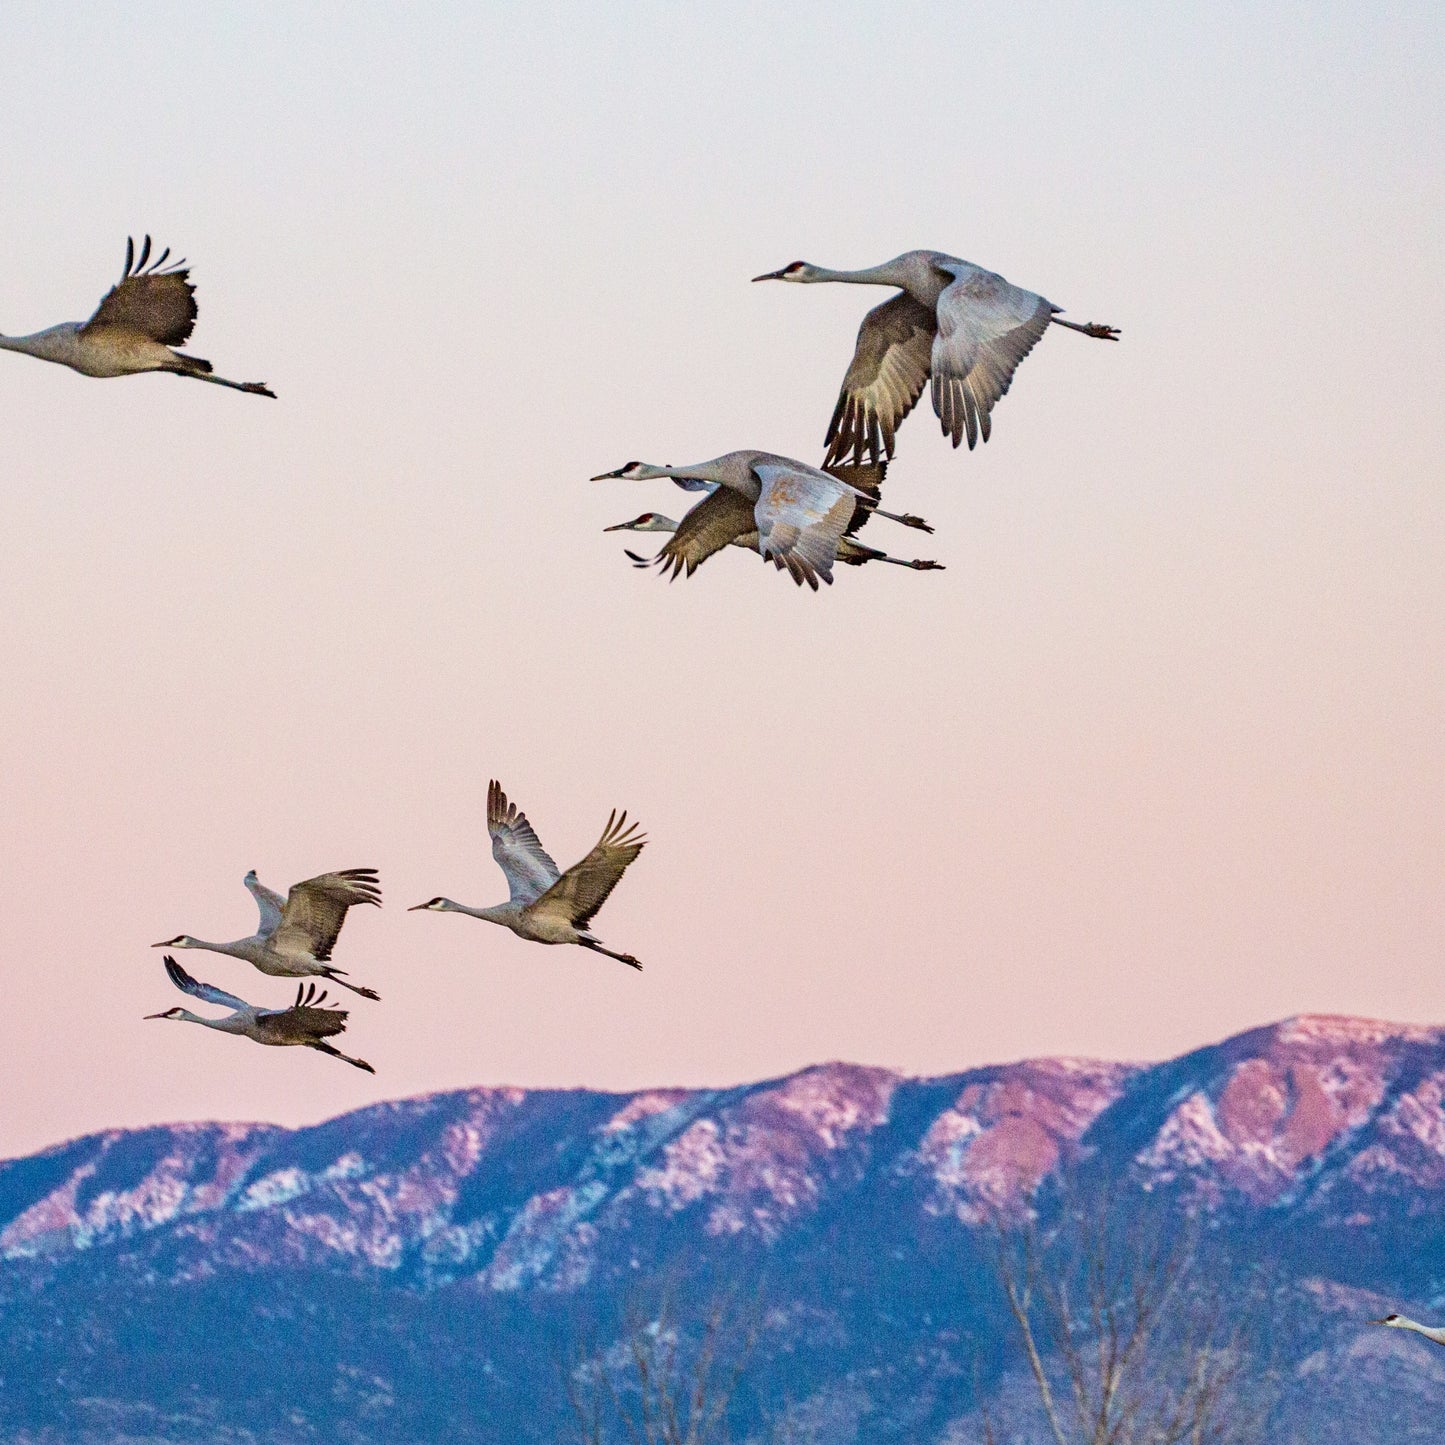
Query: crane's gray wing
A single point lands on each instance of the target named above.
(268, 901)
(160, 304)
(207, 992)
(985, 328)
(865, 477)
(719, 519)
(583, 888)
(802, 515)
(316, 908)
(519, 852)
(883, 381)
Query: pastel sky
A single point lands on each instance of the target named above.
(1158, 757)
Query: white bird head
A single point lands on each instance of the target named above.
(181, 940)
(250, 877)
(1396, 1321)
(794, 271)
(435, 905)
(647, 522)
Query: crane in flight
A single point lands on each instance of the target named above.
(1434, 1333)
(850, 550)
(696, 544)
(800, 513)
(307, 1023)
(149, 311)
(298, 932)
(963, 328)
(547, 905)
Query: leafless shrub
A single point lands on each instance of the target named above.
(1126, 1341)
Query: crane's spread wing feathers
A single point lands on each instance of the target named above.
(269, 902)
(801, 517)
(985, 329)
(206, 992)
(584, 887)
(718, 520)
(316, 908)
(310, 1017)
(519, 852)
(865, 477)
(884, 380)
(154, 302)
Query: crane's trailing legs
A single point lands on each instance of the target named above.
(256, 388)
(325, 1048)
(1096, 329)
(596, 947)
(904, 519)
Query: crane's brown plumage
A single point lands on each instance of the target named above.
(884, 380)
(716, 521)
(150, 301)
(316, 908)
(309, 1018)
(585, 886)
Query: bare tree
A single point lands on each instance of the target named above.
(661, 1383)
(1125, 1341)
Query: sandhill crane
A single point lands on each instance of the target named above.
(148, 311)
(546, 905)
(306, 1024)
(298, 932)
(1434, 1333)
(696, 545)
(850, 550)
(965, 327)
(800, 513)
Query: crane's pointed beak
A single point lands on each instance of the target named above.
(607, 476)
(1377, 1322)
(155, 1016)
(166, 944)
(618, 527)
(770, 275)
(416, 907)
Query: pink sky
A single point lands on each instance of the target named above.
(1158, 758)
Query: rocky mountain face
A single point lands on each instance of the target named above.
(427, 1269)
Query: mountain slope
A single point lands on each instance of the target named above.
(436, 1259)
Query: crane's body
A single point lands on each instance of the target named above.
(547, 905)
(307, 1023)
(145, 315)
(955, 324)
(298, 932)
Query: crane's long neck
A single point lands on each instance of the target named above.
(1431, 1332)
(55, 343)
(237, 948)
(501, 913)
(890, 273)
(231, 1024)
